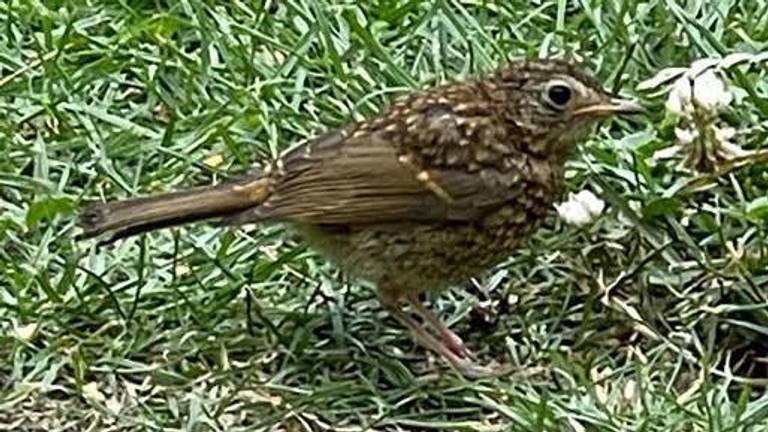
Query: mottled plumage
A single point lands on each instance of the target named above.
(439, 186)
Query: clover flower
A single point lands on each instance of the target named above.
(705, 92)
(679, 100)
(710, 92)
(580, 209)
(699, 99)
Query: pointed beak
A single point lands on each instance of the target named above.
(612, 107)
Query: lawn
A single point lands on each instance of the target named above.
(654, 318)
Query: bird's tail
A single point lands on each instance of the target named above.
(129, 217)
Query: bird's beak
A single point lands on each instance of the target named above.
(613, 106)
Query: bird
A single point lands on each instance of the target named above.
(437, 187)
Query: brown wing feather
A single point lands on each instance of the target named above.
(338, 180)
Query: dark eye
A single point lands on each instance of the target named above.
(559, 95)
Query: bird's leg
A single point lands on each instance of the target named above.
(464, 365)
(449, 338)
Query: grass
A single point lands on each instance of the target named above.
(653, 319)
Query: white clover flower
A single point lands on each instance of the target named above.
(686, 136)
(679, 100)
(723, 140)
(705, 92)
(724, 135)
(593, 204)
(698, 96)
(573, 213)
(580, 209)
(710, 92)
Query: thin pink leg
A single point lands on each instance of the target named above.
(461, 363)
(451, 339)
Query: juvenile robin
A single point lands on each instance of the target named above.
(436, 188)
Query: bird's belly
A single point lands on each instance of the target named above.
(424, 256)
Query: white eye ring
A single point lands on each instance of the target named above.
(558, 94)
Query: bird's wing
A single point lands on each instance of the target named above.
(336, 179)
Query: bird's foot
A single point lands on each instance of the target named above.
(441, 339)
(454, 343)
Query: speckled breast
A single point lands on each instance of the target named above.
(429, 256)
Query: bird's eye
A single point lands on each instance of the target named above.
(558, 95)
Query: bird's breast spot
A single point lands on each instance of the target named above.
(443, 122)
(439, 110)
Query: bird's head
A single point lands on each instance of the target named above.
(555, 103)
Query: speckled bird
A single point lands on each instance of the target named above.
(438, 187)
